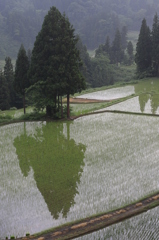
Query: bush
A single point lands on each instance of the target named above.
(32, 116)
(13, 108)
(5, 117)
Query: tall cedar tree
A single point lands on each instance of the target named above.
(130, 50)
(9, 76)
(117, 52)
(21, 80)
(4, 93)
(155, 45)
(143, 49)
(55, 63)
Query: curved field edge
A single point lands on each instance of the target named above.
(97, 222)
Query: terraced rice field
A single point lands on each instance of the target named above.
(53, 173)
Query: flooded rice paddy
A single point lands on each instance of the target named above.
(140, 104)
(143, 227)
(53, 173)
(112, 93)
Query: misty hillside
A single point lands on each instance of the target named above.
(21, 20)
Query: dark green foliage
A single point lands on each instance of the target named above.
(130, 50)
(9, 76)
(107, 46)
(21, 20)
(86, 68)
(21, 80)
(55, 63)
(155, 45)
(102, 72)
(143, 50)
(4, 93)
(116, 52)
(124, 32)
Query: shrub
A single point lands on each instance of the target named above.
(13, 108)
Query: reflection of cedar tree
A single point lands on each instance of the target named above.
(57, 164)
(148, 94)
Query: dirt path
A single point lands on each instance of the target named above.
(88, 225)
(85, 100)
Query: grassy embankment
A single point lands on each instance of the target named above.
(78, 109)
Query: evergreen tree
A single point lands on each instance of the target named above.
(130, 50)
(124, 37)
(55, 63)
(143, 50)
(4, 93)
(86, 67)
(107, 45)
(117, 53)
(9, 76)
(21, 81)
(155, 45)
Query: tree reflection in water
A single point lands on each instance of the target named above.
(150, 91)
(57, 163)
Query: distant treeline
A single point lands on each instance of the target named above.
(21, 20)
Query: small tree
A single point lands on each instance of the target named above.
(21, 81)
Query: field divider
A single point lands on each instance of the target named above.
(98, 222)
(114, 111)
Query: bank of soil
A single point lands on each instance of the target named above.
(84, 100)
(94, 223)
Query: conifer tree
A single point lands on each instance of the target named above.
(130, 50)
(124, 37)
(4, 93)
(55, 63)
(143, 50)
(21, 81)
(9, 76)
(117, 53)
(155, 45)
(107, 45)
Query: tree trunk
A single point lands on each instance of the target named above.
(61, 108)
(48, 111)
(24, 103)
(58, 103)
(68, 105)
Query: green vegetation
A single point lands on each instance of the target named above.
(147, 50)
(55, 64)
(20, 21)
(21, 80)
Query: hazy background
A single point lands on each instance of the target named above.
(21, 20)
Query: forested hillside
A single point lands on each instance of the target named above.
(21, 20)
